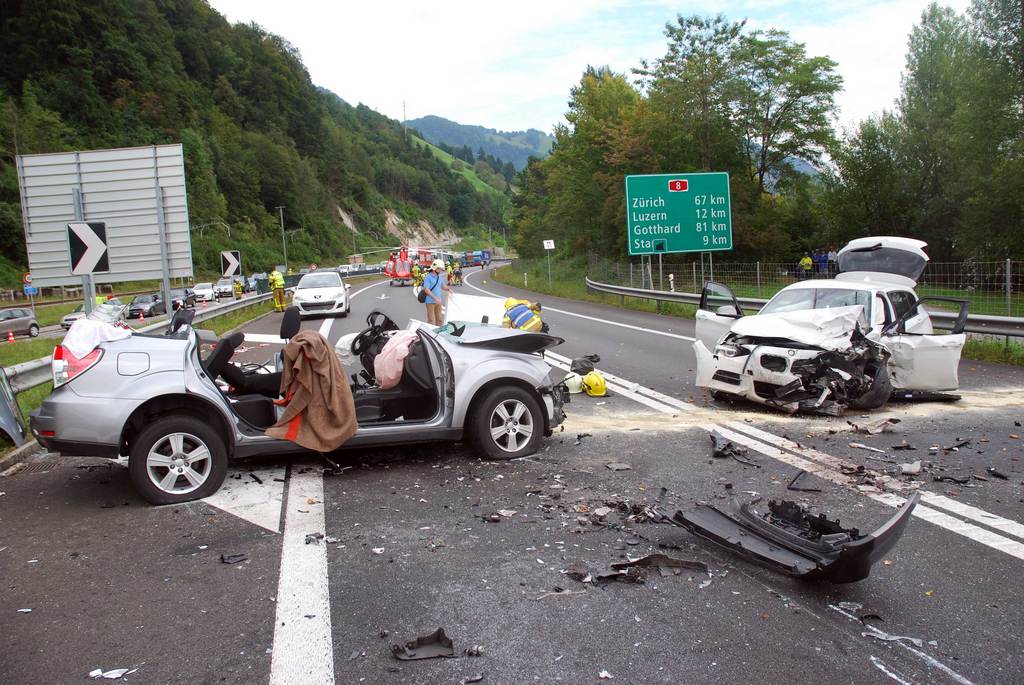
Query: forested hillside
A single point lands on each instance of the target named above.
(947, 165)
(515, 146)
(257, 133)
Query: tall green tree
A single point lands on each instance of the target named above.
(786, 103)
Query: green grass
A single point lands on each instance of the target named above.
(566, 281)
(466, 171)
(998, 351)
(26, 350)
(223, 324)
(32, 398)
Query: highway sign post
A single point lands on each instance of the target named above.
(549, 245)
(668, 213)
(230, 263)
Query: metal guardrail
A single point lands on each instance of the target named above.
(976, 323)
(28, 375)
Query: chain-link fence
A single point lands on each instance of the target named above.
(992, 287)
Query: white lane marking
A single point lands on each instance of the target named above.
(250, 499)
(303, 650)
(927, 658)
(974, 514)
(880, 665)
(589, 318)
(325, 327)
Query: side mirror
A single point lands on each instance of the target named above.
(348, 286)
(728, 310)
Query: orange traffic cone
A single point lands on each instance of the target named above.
(142, 319)
(10, 336)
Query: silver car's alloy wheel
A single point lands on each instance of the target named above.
(511, 425)
(179, 463)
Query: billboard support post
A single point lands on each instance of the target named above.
(162, 233)
(88, 289)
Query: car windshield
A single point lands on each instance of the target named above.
(177, 293)
(801, 299)
(204, 286)
(224, 281)
(320, 280)
(142, 299)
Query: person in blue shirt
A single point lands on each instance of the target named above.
(435, 285)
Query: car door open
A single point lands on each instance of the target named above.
(926, 361)
(716, 314)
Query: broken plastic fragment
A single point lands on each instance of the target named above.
(874, 427)
(879, 635)
(789, 539)
(911, 469)
(618, 466)
(233, 558)
(314, 538)
(437, 644)
(666, 565)
(378, 550)
(605, 675)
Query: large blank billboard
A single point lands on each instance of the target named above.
(118, 187)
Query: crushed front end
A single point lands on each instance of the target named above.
(793, 376)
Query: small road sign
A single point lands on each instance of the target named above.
(230, 263)
(678, 213)
(31, 290)
(549, 244)
(28, 277)
(87, 242)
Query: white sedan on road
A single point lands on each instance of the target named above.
(824, 345)
(323, 293)
(205, 292)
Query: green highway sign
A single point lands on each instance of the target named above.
(678, 213)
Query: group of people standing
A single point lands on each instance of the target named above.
(820, 263)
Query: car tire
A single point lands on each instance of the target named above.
(503, 416)
(33, 331)
(173, 439)
(881, 391)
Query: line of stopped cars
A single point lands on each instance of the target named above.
(825, 345)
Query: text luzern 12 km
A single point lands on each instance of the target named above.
(668, 213)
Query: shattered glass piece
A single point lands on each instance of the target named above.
(437, 644)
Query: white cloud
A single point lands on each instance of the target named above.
(511, 66)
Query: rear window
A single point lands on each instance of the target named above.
(801, 299)
(886, 260)
(327, 279)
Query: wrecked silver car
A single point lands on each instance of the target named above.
(825, 345)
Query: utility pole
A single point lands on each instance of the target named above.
(284, 243)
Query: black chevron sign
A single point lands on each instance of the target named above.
(88, 244)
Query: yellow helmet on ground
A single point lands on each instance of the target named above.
(593, 384)
(574, 382)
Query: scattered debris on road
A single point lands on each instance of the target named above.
(314, 538)
(911, 469)
(234, 558)
(431, 646)
(862, 446)
(726, 449)
(792, 485)
(580, 436)
(996, 473)
(473, 678)
(618, 466)
(113, 674)
(875, 427)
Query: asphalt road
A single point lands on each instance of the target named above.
(114, 583)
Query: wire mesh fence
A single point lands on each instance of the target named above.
(995, 288)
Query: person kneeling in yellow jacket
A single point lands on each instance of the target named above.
(523, 315)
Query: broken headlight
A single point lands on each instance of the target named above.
(728, 350)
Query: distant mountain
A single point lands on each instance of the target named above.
(508, 146)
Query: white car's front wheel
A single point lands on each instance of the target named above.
(508, 423)
(177, 459)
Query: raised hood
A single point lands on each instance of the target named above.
(829, 329)
(887, 256)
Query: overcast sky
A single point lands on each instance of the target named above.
(510, 66)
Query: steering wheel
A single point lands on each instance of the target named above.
(378, 323)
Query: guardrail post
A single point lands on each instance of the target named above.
(631, 273)
(1009, 297)
(694, 265)
(759, 279)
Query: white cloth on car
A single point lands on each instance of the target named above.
(388, 365)
(85, 335)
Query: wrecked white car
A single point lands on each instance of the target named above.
(824, 345)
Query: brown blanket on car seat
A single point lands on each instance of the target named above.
(319, 412)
